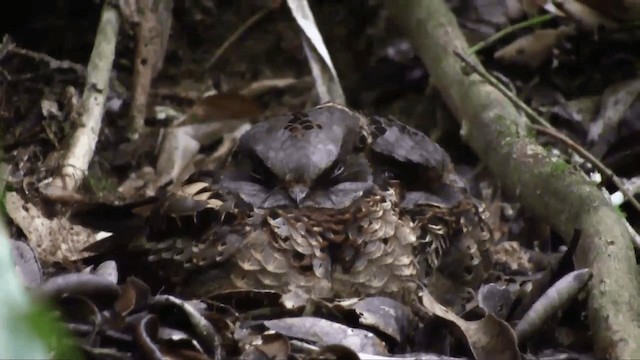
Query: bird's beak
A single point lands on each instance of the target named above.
(298, 193)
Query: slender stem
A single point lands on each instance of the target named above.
(500, 34)
(252, 20)
(503, 90)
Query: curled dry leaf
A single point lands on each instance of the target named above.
(532, 50)
(615, 102)
(222, 107)
(92, 286)
(131, 294)
(588, 18)
(581, 110)
(488, 338)
(496, 300)
(146, 332)
(553, 300)
(325, 332)
(175, 335)
(26, 263)
(204, 332)
(108, 270)
(273, 345)
(386, 315)
(324, 74)
(79, 310)
(337, 352)
(618, 9)
(176, 152)
(211, 118)
(53, 239)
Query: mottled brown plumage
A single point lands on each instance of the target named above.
(325, 201)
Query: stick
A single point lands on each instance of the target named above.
(83, 141)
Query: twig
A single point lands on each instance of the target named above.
(500, 34)
(252, 20)
(83, 141)
(53, 63)
(592, 159)
(503, 90)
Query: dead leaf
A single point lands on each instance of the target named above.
(273, 345)
(588, 18)
(53, 239)
(26, 263)
(325, 75)
(91, 286)
(614, 103)
(553, 300)
(386, 315)
(533, 49)
(496, 300)
(618, 9)
(222, 107)
(325, 332)
(581, 110)
(488, 338)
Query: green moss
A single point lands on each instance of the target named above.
(101, 185)
(620, 212)
(558, 166)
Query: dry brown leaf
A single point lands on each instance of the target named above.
(386, 315)
(26, 263)
(326, 78)
(614, 103)
(588, 18)
(533, 49)
(220, 107)
(53, 239)
(553, 300)
(618, 9)
(325, 332)
(488, 338)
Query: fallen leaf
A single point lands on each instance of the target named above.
(325, 75)
(488, 338)
(325, 332)
(532, 50)
(53, 239)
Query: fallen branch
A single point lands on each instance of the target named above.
(562, 196)
(83, 141)
(53, 63)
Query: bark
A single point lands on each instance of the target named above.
(83, 141)
(554, 191)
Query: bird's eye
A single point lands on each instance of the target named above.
(337, 170)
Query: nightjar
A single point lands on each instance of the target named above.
(326, 201)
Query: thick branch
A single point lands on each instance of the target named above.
(556, 193)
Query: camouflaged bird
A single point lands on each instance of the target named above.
(326, 201)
